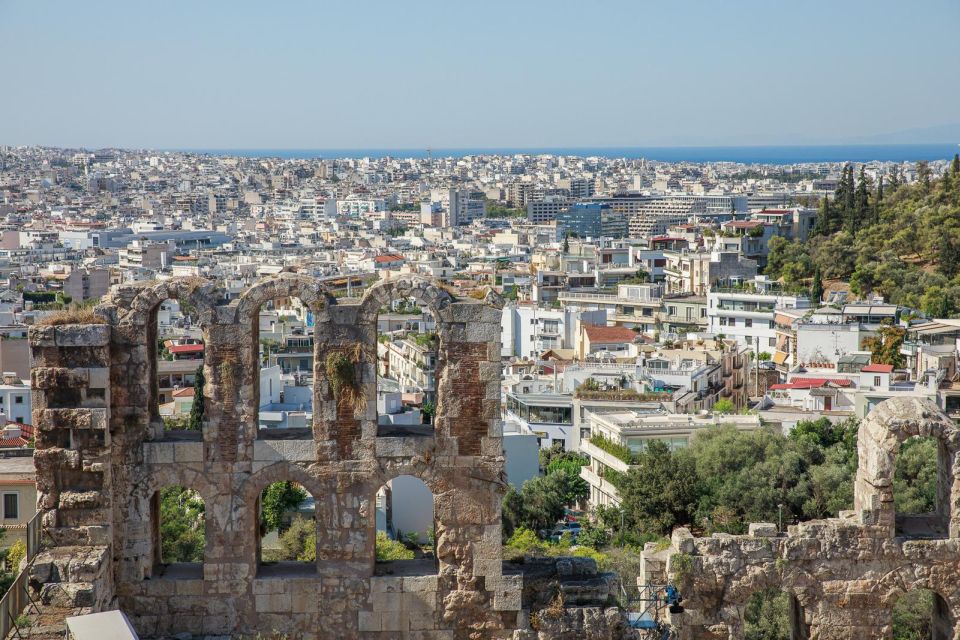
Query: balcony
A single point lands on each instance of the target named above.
(596, 481)
(600, 455)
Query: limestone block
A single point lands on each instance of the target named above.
(763, 530)
(82, 335)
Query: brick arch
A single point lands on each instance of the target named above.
(879, 439)
(939, 578)
(202, 295)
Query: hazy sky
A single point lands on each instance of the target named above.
(485, 73)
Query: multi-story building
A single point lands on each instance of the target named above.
(15, 405)
(635, 431)
(696, 271)
(528, 331)
(592, 220)
(547, 210)
(747, 312)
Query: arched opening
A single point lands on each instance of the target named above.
(179, 515)
(774, 614)
(922, 615)
(178, 374)
(407, 351)
(405, 528)
(283, 330)
(917, 489)
(286, 530)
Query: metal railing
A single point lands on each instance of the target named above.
(17, 598)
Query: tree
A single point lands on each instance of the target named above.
(816, 290)
(885, 346)
(660, 490)
(915, 476)
(181, 525)
(767, 616)
(912, 615)
(923, 176)
(724, 405)
(566, 243)
(861, 206)
(197, 409)
(279, 498)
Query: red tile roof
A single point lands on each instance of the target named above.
(388, 258)
(186, 392)
(185, 348)
(608, 335)
(877, 368)
(813, 383)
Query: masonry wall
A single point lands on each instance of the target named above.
(843, 575)
(102, 457)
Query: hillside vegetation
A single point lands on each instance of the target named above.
(899, 241)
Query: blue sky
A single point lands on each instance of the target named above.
(452, 73)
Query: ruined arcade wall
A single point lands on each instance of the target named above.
(102, 455)
(843, 575)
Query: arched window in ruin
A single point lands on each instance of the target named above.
(178, 378)
(915, 489)
(284, 331)
(884, 437)
(405, 528)
(286, 530)
(922, 615)
(407, 358)
(179, 514)
(774, 614)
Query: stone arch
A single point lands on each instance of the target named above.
(312, 293)
(423, 290)
(426, 293)
(879, 438)
(940, 580)
(429, 481)
(144, 507)
(252, 488)
(202, 295)
(141, 317)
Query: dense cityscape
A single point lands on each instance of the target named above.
(655, 317)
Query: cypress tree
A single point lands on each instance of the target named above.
(895, 178)
(197, 409)
(824, 223)
(955, 165)
(816, 291)
(849, 202)
(861, 199)
(923, 175)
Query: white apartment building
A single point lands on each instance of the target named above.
(747, 313)
(635, 430)
(15, 405)
(634, 305)
(528, 331)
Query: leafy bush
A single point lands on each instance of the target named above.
(388, 550)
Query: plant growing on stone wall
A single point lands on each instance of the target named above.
(681, 564)
(342, 377)
(227, 378)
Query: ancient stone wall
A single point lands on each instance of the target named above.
(843, 575)
(102, 456)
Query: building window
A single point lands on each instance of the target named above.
(11, 506)
(748, 322)
(771, 324)
(771, 342)
(18, 399)
(876, 381)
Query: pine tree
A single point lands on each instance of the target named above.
(816, 290)
(197, 410)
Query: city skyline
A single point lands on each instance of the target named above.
(433, 75)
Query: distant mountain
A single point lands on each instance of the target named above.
(921, 135)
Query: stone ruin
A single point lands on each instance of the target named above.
(842, 575)
(102, 456)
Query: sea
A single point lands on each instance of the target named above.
(746, 155)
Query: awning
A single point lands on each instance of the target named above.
(779, 357)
